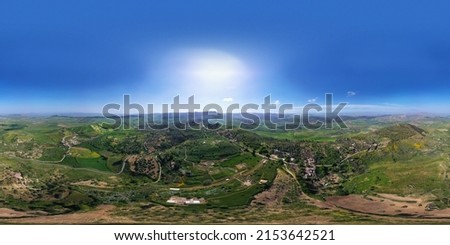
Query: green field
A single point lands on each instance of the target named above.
(416, 176)
(62, 165)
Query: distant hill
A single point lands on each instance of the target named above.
(401, 131)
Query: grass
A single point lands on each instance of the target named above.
(80, 152)
(101, 150)
(11, 126)
(302, 135)
(420, 175)
(53, 153)
(239, 196)
(99, 163)
(206, 149)
(219, 173)
(112, 162)
(197, 177)
(247, 158)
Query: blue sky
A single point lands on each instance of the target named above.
(75, 56)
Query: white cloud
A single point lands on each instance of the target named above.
(227, 99)
(351, 93)
(277, 102)
(312, 100)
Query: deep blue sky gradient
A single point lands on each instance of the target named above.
(75, 56)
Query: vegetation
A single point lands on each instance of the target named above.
(63, 165)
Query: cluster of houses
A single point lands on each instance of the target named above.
(185, 201)
(176, 200)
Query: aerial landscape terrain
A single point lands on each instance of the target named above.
(224, 112)
(384, 169)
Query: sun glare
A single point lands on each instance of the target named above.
(210, 74)
(215, 68)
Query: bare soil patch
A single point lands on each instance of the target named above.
(101, 215)
(389, 205)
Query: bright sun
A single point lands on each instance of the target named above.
(207, 73)
(215, 68)
(211, 71)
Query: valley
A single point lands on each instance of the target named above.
(80, 170)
